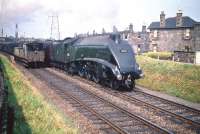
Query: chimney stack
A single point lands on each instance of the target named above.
(131, 28)
(144, 28)
(179, 18)
(162, 19)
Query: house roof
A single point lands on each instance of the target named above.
(170, 23)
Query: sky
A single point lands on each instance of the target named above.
(81, 16)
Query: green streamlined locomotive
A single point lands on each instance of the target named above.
(104, 59)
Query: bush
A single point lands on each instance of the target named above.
(159, 55)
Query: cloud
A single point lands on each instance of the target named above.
(18, 12)
(74, 16)
(81, 16)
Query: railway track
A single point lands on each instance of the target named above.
(109, 117)
(174, 112)
(181, 110)
(178, 114)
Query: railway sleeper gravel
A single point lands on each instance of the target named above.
(176, 121)
(170, 104)
(164, 104)
(157, 102)
(76, 94)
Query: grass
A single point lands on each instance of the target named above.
(33, 114)
(177, 79)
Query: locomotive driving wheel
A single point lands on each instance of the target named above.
(95, 78)
(71, 70)
(88, 75)
(114, 84)
(81, 72)
(130, 84)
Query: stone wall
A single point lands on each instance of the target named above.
(197, 37)
(182, 56)
(171, 40)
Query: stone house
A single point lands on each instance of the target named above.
(179, 33)
(138, 40)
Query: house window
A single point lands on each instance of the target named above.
(187, 33)
(155, 47)
(187, 48)
(138, 48)
(155, 33)
(126, 36)
(178, 21)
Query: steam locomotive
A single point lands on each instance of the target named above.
(104, 59)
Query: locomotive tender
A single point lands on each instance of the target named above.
(104, 59)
